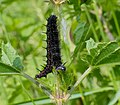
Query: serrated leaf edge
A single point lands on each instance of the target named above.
(108, 55)
(101, 51)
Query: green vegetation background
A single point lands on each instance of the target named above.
(22, 23)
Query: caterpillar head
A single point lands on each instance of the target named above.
(61, 67)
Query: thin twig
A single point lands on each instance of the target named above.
(45, 89)
(88, 71)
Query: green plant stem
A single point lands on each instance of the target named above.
(91, 23)
(45, 89)
(58, 13)
(116, 23)
(88, 71)
(112, 77)
(91, 92)
(82, 97)
(59, 93)
(99, 22)
(27, 92)
(57, 87)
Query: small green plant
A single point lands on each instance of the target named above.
(89, 33)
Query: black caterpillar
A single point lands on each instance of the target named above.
(53, 48)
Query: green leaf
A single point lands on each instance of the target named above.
(79, 32)
(7, 70)
(90, 44)
(108, 54)
(17, 63)
(80, 35)
(101, 54)
(8, 54)
(10, 57)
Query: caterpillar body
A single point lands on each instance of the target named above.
(53, 48)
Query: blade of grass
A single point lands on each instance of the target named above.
(113, 79)
(91, 23)
(37, 102)
(116, 22)
(99, 22)
(78, 95)
(82, 97)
